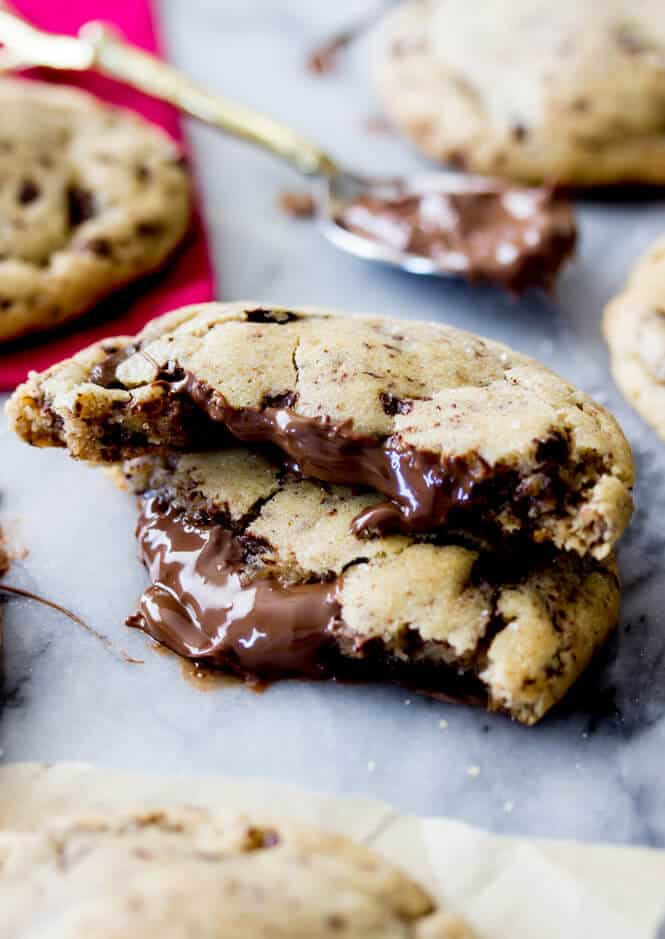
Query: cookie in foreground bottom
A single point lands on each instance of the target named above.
(184, 872)
(261, 574)
(634, 327)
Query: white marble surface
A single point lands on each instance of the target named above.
(595, 769)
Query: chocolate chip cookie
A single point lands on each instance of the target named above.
(569, 92)
(634, 327)
(453, 430)
(92, 198)
(184, 872)
(259, 572)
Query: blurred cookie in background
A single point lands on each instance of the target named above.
(188, 871)
(569, 92)
(634, 326)
(92, 198)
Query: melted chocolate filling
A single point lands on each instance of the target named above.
(205, 605)
(517, 238)
(202, 607)
(423, 489)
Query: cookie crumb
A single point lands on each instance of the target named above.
(4, 555)
(376, 124)
(407, 701)
(443, 725)
(325, 58)
(371, 766)
(297, 204)
(9, 552)
(508, 807)
(473, 771)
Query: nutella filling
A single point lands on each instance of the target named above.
(515, 237)
(422, 488)
(205, 605)
(202, 607)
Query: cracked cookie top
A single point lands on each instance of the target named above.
(92, 197)
(449, 427)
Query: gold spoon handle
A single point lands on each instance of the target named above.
(119, 59)
(99, 47)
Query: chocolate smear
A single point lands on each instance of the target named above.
(490, 232)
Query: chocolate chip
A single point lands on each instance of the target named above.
(258, 838)
(336, 923)
(392, 405)
(5, 303)
(411, 641)
(172, 372)
(457, 159)
(284, 400)
(80, 205)
(554, 450)
(149, 229)
(269, 316)
(28, 191)
(519, 132)
(629, 42)
(142, 173)
(103, 373)
(581, 105)
(100, 246)
(297, 204)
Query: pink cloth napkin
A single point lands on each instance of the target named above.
(189, 277)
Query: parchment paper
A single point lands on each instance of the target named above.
(509, 888)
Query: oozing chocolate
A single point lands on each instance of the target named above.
(205, 605)
(422, 488)
(515, 237)
(201, 607)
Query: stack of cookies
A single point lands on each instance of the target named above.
(354, 497)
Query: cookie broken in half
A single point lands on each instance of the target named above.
(452, 429)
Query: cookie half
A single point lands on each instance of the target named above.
(92, 198)
(184, 872)
(569, 92)
(634, 326)
(452, 429)
(259, 573)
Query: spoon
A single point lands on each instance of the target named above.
(497, 244)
